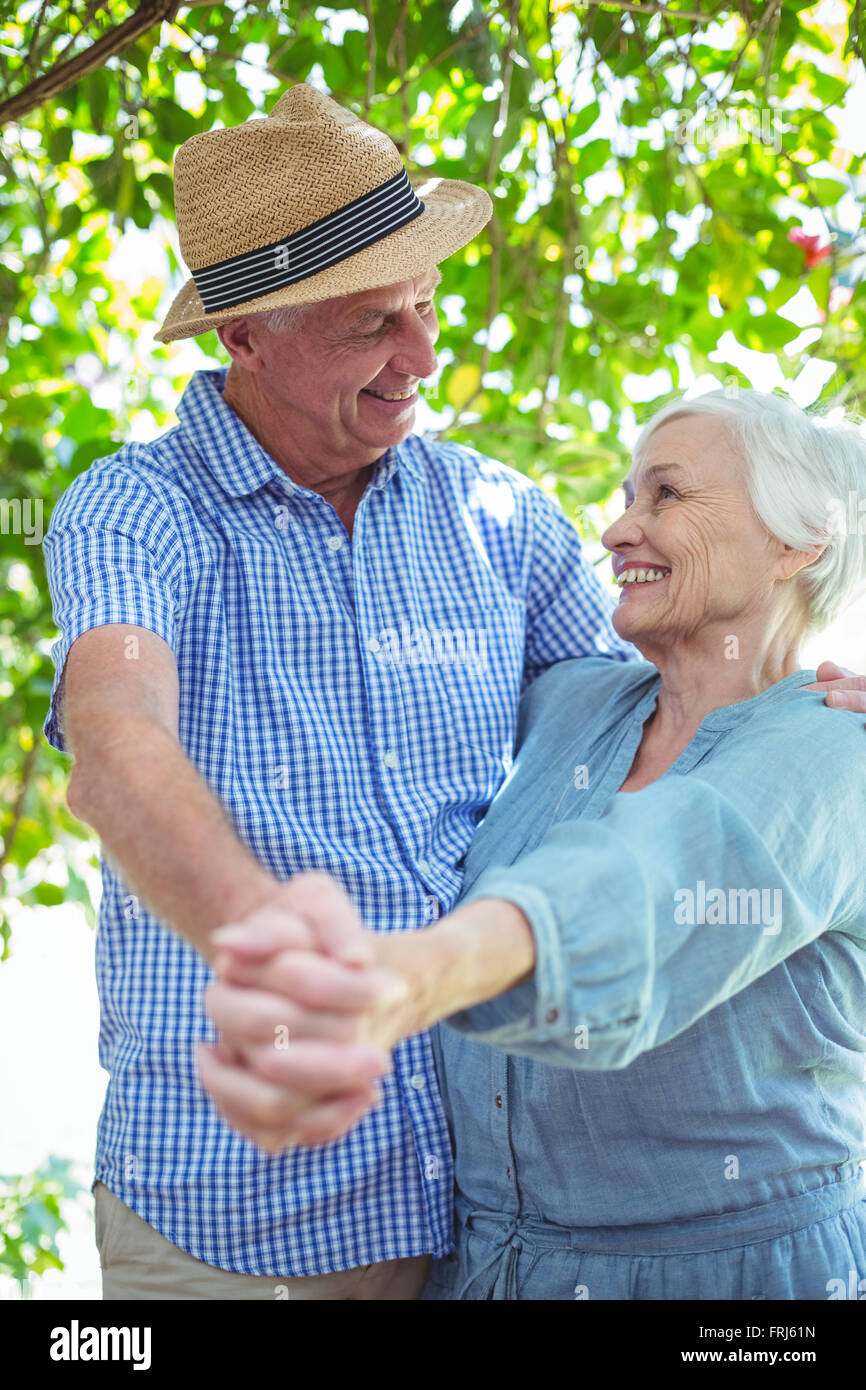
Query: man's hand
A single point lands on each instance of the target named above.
(844, 689)
(335, 1086)
(297, 1066)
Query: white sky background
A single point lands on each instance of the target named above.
(51, 1084)
(50, 1099)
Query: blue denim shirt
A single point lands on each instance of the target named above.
(673, 1106)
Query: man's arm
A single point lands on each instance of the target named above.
(157, 819)
(170, 838)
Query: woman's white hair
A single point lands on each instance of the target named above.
(801, 472)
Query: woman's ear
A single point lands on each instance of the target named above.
(791, 561)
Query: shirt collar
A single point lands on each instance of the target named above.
(233, 454)
(728, 715)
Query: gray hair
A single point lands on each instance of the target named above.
(802, 472)
(282, 321)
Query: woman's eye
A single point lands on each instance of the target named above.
(664, 489)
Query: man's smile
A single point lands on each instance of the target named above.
(391, 395)
(391, 402)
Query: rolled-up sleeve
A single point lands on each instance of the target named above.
(624, 962)
(112, 555)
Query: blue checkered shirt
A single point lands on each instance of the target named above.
(352, 702)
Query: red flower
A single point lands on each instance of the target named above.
(813, 254)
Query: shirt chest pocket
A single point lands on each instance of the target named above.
(457, 670)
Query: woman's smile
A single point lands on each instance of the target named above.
(636, 575)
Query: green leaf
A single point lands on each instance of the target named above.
(98, 92)
(60, 145)
(585, 118)
(49, 894)
(827, 192)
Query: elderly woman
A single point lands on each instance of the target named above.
(671, 1104)
(655, 980)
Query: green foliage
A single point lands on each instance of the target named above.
(603, 137)
(646, 171)
(31, 1219)
(573, 115)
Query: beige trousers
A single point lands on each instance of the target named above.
(138, 1264)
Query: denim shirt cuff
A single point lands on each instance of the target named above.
(534, 1011)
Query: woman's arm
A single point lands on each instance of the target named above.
(624, 961)
(477, 952)
(590, 950)
(677, 898)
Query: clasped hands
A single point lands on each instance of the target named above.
(308, 1004)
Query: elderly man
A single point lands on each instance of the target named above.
(293, 638)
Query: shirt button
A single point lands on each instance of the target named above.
(390, 759)
(508, 1172)
(499, 1100)
(418, 1082)
(335, 542)
(551, 1016)
(373, 644)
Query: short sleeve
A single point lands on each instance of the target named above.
(112, 555)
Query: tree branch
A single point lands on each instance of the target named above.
(694, 16)
(463, 38)
(495, 226)
(371, 57)
(31, 51)
(396, 56)
(770, 13)
(63, 75)
(89, 14)
(563, 178)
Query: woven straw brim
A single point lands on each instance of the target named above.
(454, 212)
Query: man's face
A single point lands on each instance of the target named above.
(330, 377)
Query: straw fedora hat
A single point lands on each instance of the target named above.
(307, 203)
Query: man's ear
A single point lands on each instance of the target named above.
(240, 338)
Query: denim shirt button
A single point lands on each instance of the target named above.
(499, 1100)
(551, 1016)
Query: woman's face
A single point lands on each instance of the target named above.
(689, 522)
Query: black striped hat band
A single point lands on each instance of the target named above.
(324, 243)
